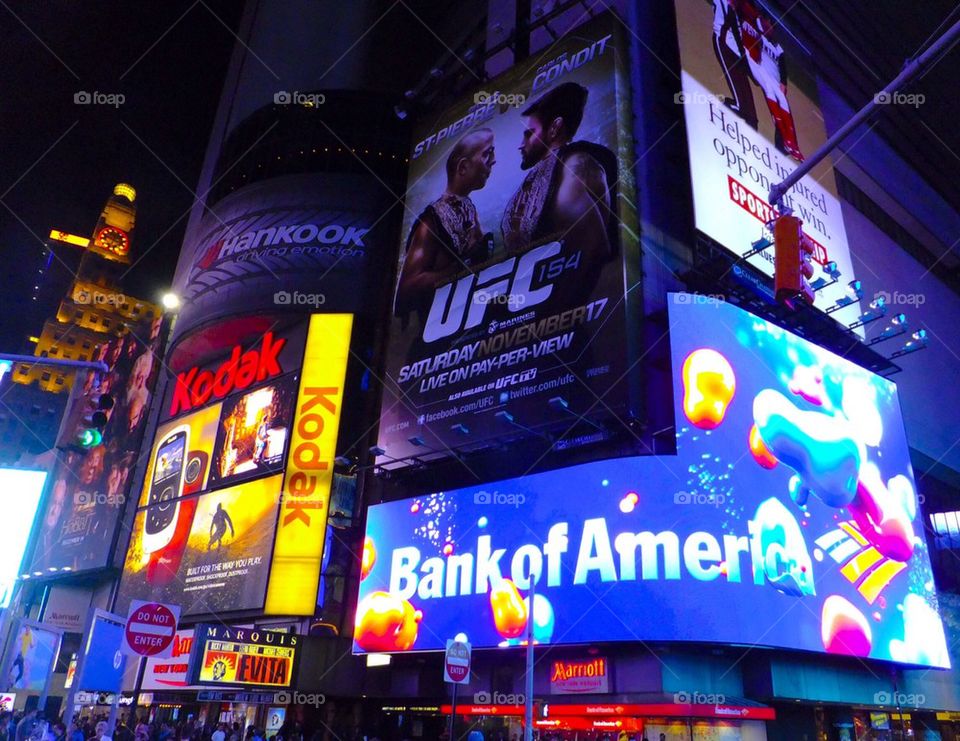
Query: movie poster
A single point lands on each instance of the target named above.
(208, 553)
(518, 234)
(90, 488)
(752, 117)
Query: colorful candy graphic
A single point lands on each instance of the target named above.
(369, 557)
(923, 641)
(807, 382)
(386, 623)
(787, 566)
(844, 629)
(708, 388)
(881, 517)
(544, 619)
(818, 446)
(509, 609)
(760, 452)
(629, 502)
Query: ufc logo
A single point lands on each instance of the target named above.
(462, 305)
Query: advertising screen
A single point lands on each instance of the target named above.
(301, 242)
(517, 240)
(23, 489)
(171, 673)
(752, 115)
(225, 654)
(208, 553)
(786, 519)
(254, 430)
(90, 489)
(30, 659)
(192, 437)
(104, 661)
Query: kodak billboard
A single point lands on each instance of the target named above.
(301, 528)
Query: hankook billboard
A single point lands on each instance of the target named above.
(302, 242)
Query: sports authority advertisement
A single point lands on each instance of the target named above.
(517, 239)
(787, 519)
(25, 488)
(752, 115)
(217, 560)
(227, 655)
(90, 489)
(302, 242)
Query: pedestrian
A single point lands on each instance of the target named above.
(219, 734)
(25, 726)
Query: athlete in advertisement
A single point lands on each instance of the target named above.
(219, 522)
(569, 187)
(768, 68)
(511, 281)
(447, 235)
(728, 47)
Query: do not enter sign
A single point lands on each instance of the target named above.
(456, 662)
(151, 628)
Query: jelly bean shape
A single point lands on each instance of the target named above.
(369, 557)
(807, 383)
(708, 388)
(760, 452)
(509, 609)
(386, 622)
(544, 619)
(818, 446)
(844, 629)
(787, 565)
(881, 516)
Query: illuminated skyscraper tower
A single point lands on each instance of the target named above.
(95, 307)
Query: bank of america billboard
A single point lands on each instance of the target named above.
(517, 243)
(752, 116)
(788, 518)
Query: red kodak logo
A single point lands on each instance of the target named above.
(242, 369)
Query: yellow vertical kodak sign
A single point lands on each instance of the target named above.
(301, 529)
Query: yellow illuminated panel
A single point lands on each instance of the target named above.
(59, 236)
(232, 662)
(127, 191)
(298, 548)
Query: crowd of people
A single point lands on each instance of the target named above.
(34, 726)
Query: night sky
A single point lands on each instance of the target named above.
(168, 58)
(60, 161)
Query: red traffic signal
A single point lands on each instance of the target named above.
(792, 267)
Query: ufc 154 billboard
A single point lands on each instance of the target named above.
(752, 117)
(517, 245)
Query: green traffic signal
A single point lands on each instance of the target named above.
(90, 438)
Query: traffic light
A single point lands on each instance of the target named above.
(90, 430)
(792, 268)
